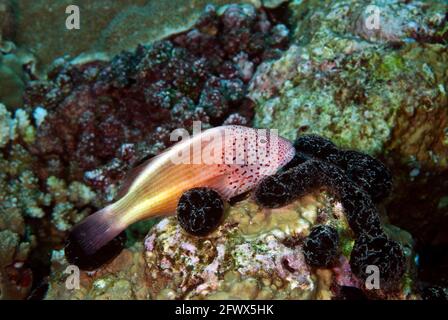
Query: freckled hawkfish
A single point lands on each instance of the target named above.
(229, 159)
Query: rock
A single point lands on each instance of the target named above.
(14, 66)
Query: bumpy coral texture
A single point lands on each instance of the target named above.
(200, 210)
(380, 91)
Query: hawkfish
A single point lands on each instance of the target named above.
(229, 159)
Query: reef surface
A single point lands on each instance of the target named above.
(255, 254)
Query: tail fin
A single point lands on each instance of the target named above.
(97, 230)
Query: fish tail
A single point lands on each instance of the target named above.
(97, 230)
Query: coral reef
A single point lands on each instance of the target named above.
(361, 179)
(343, 85)
(20, 185)
(280, 189)
(92, 120)
(124, 278)
(26, 203)
(18, 192)
(72, 125)
(15, 275)
(254, 254)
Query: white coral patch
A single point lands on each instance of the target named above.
(39, 115)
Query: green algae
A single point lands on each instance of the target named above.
(391, 66)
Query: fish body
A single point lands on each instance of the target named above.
(229, 159)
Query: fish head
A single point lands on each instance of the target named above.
(273, 151)
(252, 154)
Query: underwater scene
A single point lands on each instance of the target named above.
(224, 149)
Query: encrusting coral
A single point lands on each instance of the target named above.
(363, 90)
(254, 253)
